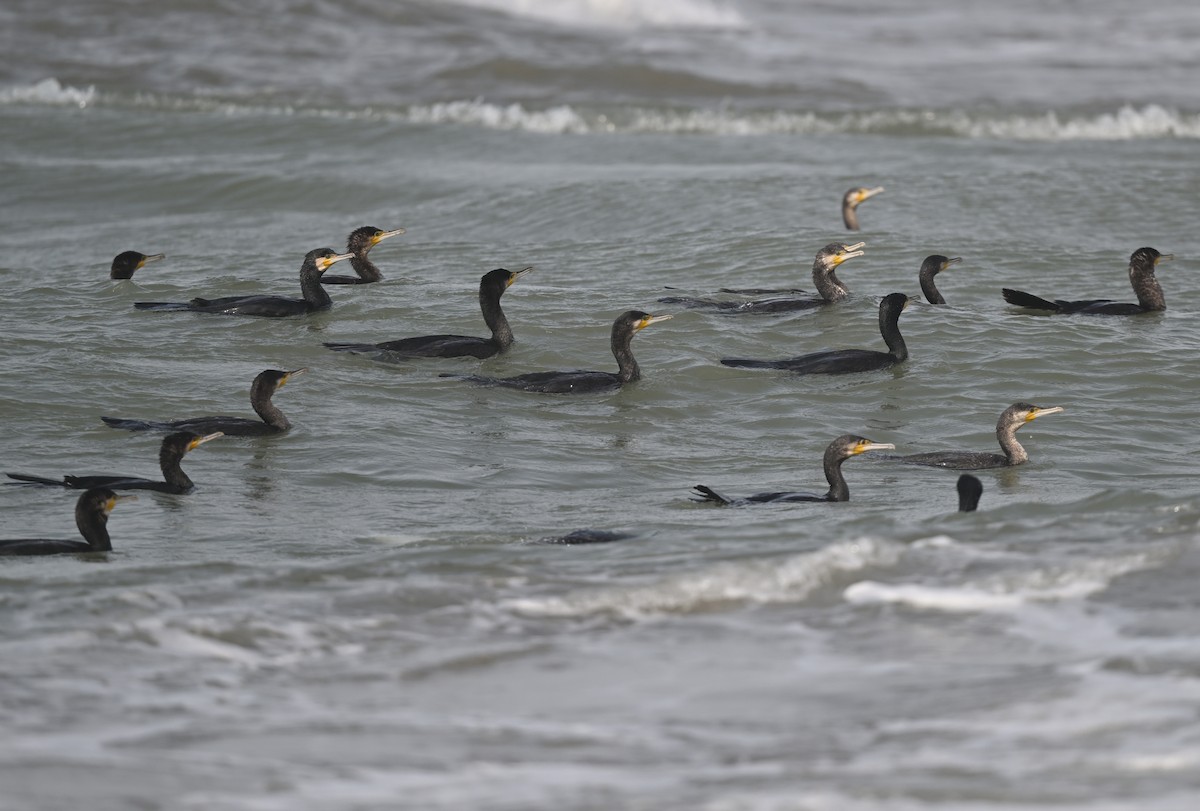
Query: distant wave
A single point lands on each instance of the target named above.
(1127, 123)
(620, 13)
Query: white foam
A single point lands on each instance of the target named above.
(48, 91)
(790, 579)
(621, 13)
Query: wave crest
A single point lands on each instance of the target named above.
(48, 91)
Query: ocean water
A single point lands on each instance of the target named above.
(357, 614)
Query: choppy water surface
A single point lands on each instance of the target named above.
(355, 614)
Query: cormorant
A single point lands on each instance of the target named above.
(969, 491)
(838, 451)
(851, 201)
(1141, 275)
(359, 243)
(170, 453)
(580, 537)
(315, 298)
(829, 286)
(932, 266)
(91, 516)
(842, 361)
(582, 382)
(126, 263)
(491, 288)
(264, 386)
(1012, 418)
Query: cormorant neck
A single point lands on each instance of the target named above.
(627, 366)
(260, 400)
(928, 288)
(849, 216)
(838, 490)
(1006, 434)
(169, 459)
(1145, 285)
(493, 316)
(889, 328)
(365, 268)
(312, 289)
(828, 284)
(93, 526)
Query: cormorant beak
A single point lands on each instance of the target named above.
(380, 236)
(651, 319)
(523, 272)
(1041, 412)
(868, 445)
(867, 194)
(951, 261)
(152, 258)
(289, 375)
(324, 262)
(112, 502)
(200, 440)
(848, 252)
(1167, 257)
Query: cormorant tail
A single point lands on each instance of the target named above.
(133, 425)
(25, 477)
(1022, 299)
(353, 347)
(707, 494)
(161, 305)
(747, 363)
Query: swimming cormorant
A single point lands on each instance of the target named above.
(1012, 418)
(838, 451)
(842, 361)
(824, 275)
(262, 389)
(580, 537)
(315, 298)
(491, 288)
(170, 453)
(932, 266)
(969, 491)
(583, 382)
(1141, 275)
(91, 516)
(359, 243)
(851, 201)
(126, 263)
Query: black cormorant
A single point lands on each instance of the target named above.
(969, 491)
(582, 382)
(580, 537)
(91, 516)
(359, 244)
(824, 275)
(125, 264)
(170, 454)
(1012, 418)
(491, 288)
(838, 451)
(932, 266)
(842, 361)
(851, 201)
(315, 298)
(1141, 275)
(262, 389)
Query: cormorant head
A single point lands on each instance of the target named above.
(1021, 413)
(835, 253)
(126, 263)
(859, 194)
(1148, 257)
(275, 378)
(893, 303)
(324, 258)
(367, 237)
(100, 501)
(849, 445)
(501, 279)
(969, 491)
(936, 263)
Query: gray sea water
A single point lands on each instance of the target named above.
(354, 615)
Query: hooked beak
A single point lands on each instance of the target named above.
(1041, 412)
(519, 274)
(382, 235)
(863, 447)
(325, 262)
(1164, 257)
(849, 252)
(867, 194)
(200, 440)
(951, 261)
(652, 319)
(151, 258)
(289, 375)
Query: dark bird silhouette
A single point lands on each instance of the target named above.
(851, 201)
(1149, 292)
(932, 266)
(491, 288)
(624, 328)
(1012, 418)
(838, 451)
(170, 454)
(314, 296)
(359, 244)
(969, 491)
(125, 264)
(262, 389)
(824, 275)
(843, 361)
(91, 516)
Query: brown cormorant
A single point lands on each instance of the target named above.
(359, 244)
(1141, 275)
(851, 201)
(1012, 418)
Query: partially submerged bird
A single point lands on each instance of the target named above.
(838, 451)
(969, 491)
(359, 244)
(1149, 292)
(580, 537)
(624, 328)
(932, 266)
(491, 288)
(851, 201)
(843, 361)
(170, 454)
(1011, 419)
(824, 275)
(126, 263)
(262, 389)
(314, 296)
(91, 516)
